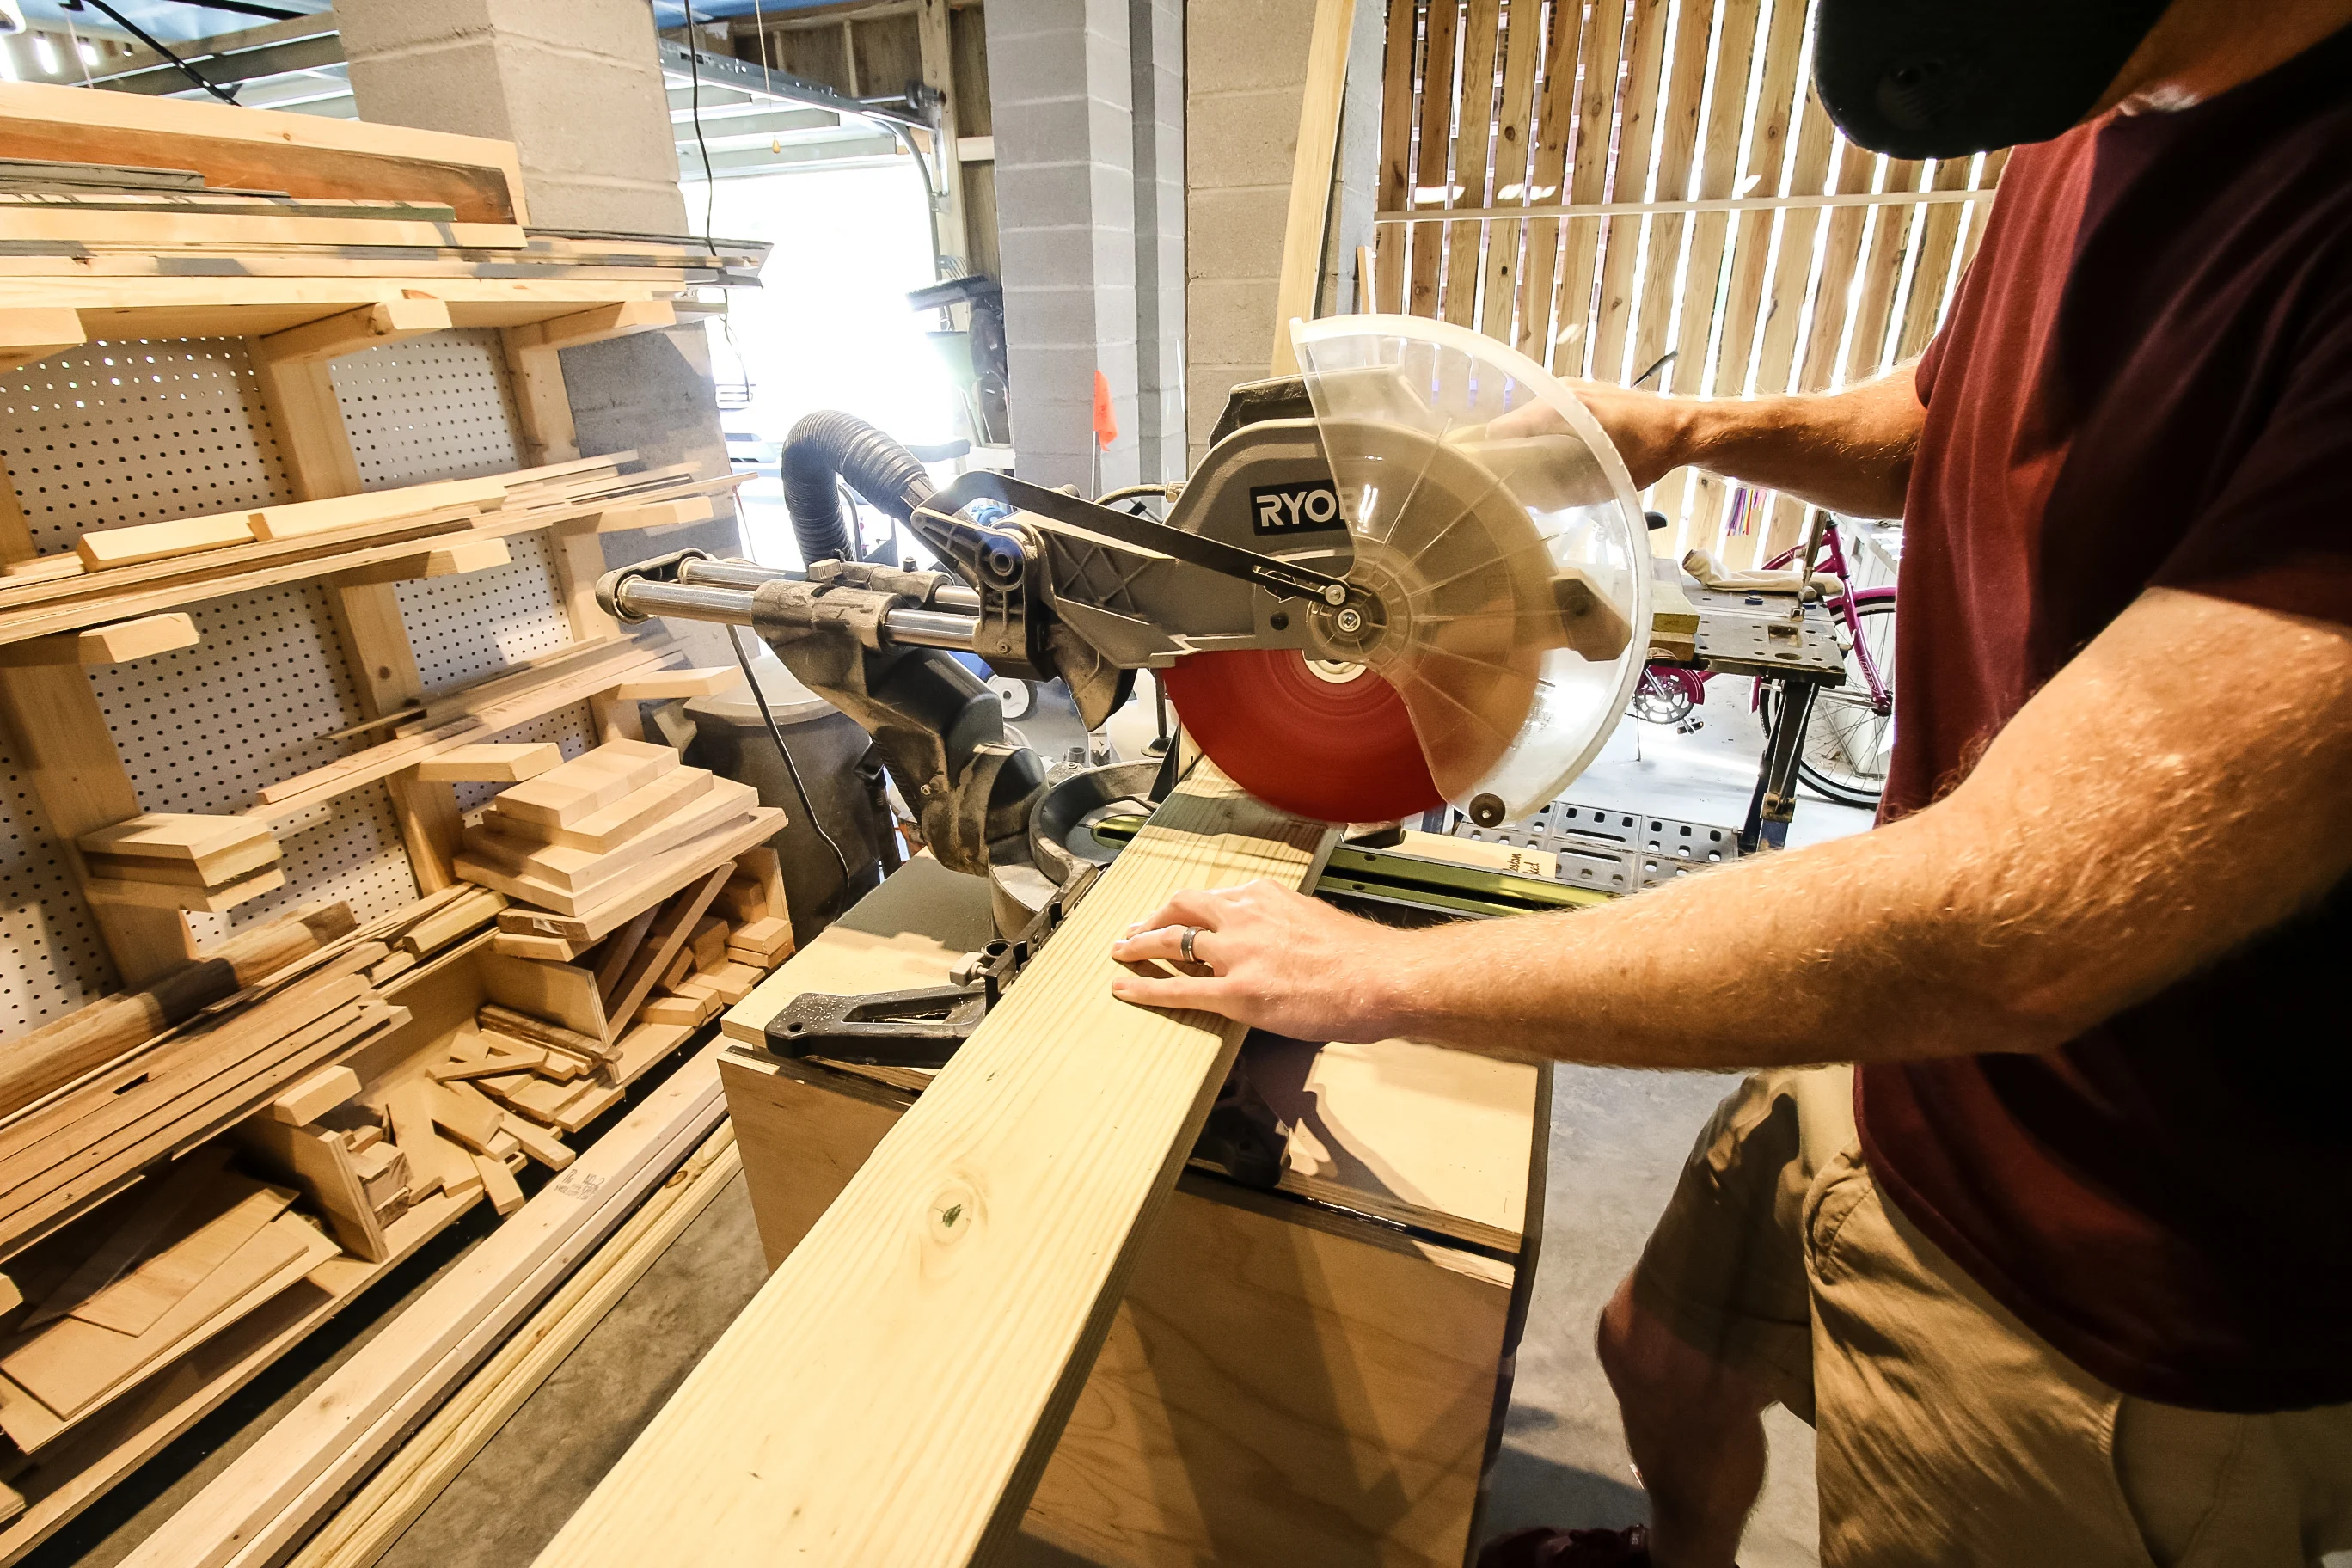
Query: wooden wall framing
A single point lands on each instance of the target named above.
(1626, 179)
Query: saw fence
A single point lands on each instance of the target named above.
(1604, 185)
(296, 562)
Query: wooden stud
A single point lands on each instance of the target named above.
(29, 333)
(62, 740)
(1513, 150)
(1473, 129)
(1396, 151)
(1638, 118)
(677, 683)
(1431, 170)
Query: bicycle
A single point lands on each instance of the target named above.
(1851, 735)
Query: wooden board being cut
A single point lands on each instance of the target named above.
(994, 1226)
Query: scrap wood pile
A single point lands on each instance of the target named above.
(110, 1279)
(430, 530)
(641, 899)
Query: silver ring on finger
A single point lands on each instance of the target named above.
(1185, 947)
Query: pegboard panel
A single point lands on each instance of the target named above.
(114, 434)
(435, 407)
(203, 728)
(50, 954)
(469, 626)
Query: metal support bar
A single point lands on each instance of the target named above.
(1775, 801)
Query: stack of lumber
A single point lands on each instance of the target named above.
(95, 1136)
(178, 1262)
(176, 861)
(414, 530)
(604, 837)
(560, 678)
(55, 1055)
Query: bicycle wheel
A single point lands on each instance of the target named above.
(1851, 737)
(1660, 698)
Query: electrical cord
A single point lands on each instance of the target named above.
(776, 733)
(710, 185)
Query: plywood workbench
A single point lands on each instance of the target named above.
(1314, 1375)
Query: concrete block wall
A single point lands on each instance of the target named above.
(1245, 77)
(1060, 84)
(573, 83)
(1244, 73)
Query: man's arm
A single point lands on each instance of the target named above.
(2183, 784)
(1849, 451)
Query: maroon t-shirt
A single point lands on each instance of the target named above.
(2145, 381)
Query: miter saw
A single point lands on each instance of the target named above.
(1369, 599)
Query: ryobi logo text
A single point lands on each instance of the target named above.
(1294, 508)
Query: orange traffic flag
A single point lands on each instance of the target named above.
(1106, 422)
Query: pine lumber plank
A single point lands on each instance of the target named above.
(72, 1365)
(679, 683)
(553, 949)
(155, 895)
(121, 643)
(152, 1212)
(297, 520)
(1317, 146)
(491, 764)
(459, 1110)
(498, 1184)
(28, 333)
(454, 559)
(994, 1226)
(315, 1096)
(463, 915)
(713, 843)
(237, 1209)
(656, 514)
(196, 840)
(594, 779)
(619, 950)
(62, 741)
(1396, 150)
(561, 994)
(272, 1493)
(541, 1145)
(771, 939)
(661, 945)
(1436, 133)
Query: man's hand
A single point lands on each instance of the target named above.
(1849, 451)
(1269, 957)
(1654, 435)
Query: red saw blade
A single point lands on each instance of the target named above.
(1332, 750)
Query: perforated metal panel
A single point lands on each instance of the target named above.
(435, 407)
(116, 434)
(50, 955)
(466, 627)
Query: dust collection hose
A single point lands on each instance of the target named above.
(827, 443)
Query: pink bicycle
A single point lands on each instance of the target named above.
(1851, 733)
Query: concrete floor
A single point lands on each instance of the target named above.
(1618, 1142)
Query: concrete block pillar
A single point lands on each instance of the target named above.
(1060, 76)
(575, 84)
(1156, 37)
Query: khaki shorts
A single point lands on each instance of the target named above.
(1949, 1433)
